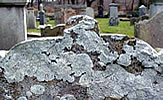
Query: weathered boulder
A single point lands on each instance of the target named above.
(82, 65)
(151, 30)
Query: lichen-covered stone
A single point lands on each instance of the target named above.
(82, 65)
(68, 97)
(22, 98)
(37, 89)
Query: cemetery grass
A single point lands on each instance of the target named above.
(123, 28)
(39, 31)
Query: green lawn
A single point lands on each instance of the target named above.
(123, 28)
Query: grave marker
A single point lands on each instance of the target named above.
(113, 21)
(12, 23)
(31, 19)
(90, 12)
(151, 30)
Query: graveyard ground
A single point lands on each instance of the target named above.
(123, 28)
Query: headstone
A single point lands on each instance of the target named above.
(90, 12)
(42, 15)
(31, 19)
(156, 8)
(113, 21)
(151, 30)
(142, 10)
(100, 11)
(12, 23)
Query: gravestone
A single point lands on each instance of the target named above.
(100, 11)
(12, 23)
(90, 12)
(151, 30)
(31, 19)
(113, 21)
(156, 8)
(42, 15)
(142, 10)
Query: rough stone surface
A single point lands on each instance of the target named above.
(37, 89)
(82, 65)
(153, 36)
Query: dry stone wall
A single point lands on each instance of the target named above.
(82, 65)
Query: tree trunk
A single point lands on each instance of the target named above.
(73, 2)
(132, 5)
(89, 2)
(32, 3)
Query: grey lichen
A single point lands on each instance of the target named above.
(22, 98)
(28, 94)
(37, 89)
(68, 97)
(124, 59)
(83, 65)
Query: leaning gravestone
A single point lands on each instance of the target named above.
(90, 12)
(151, 30)
(156, 8)
(12, 22)
(113, 21)
(31, 19)
(82, 65)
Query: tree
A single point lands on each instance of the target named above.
(89, 2)
(132, 5)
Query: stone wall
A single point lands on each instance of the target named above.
(82, 65)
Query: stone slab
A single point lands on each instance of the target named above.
(155, 8)
(151, 30)
(31, 19)
(12, 26)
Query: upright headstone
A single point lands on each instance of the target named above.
(113, 21)
(156, 8)
(90, 12)
(42, 15)
(142, 10)
(100, 11)
(12, 23)
(31, 19)
(151, 30)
